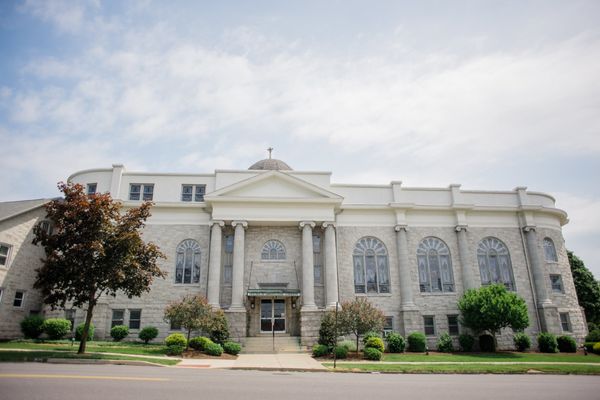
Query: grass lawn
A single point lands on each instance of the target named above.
(469, 368)
(21, 356)
(94, 346)
(499, 356)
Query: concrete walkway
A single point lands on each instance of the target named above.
(269, 362)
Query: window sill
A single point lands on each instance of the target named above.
(186, 284)
(373, 294)
(438, 294)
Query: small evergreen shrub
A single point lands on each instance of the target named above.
(79, 331)
(466, 342)
(522, 341)
(56, 328)
(375, 343)
(232, 348)
(547, 343)
(370, 335)
(32, 326)
(589, 346)
(219, 331)
(372, 354)
(175, 350)
(213, 349)
(340, 352)
(148, 334)
(176, 339)
(119, 332)
(444, 343)
(596, 348)
(200, 343)
(350, 345)
(320, 350)
(395, 342)
(566, 344)
(327, 331)
(487, 343)
(417, 342)
(593, 336)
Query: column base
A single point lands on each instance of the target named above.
(310, 322)
(236, 318)
(411, 321)
(549, 319)
(310, 307)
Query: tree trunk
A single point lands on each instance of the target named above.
(84, 334)
(357, 343)
(187, 344)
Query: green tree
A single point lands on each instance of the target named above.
(491, 308)
(587, 288)
(94, 249)
(359, 317)
(193, 313)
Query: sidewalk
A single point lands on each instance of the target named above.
(268, 362)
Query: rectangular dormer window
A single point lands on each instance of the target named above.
(193, 192)
(143, 191)
(91, 188)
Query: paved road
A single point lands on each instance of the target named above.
(65, 382)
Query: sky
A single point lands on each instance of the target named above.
(488, 94)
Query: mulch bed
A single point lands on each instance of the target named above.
(197, 354)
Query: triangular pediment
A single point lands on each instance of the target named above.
(273, 185)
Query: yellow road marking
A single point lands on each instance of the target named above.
(109, 378)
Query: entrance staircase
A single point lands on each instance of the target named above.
(264, 344)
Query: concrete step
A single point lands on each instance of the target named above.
(266, 345)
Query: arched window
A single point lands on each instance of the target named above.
(494, 263)
(550, 250)
(435, 266)
(187, 264)
(371, 269)
(273, 250)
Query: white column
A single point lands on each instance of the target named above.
(331, 278)
(463, 254)
(237, 284)
(214, 264)
(539, 277)
(308, 273)
(406, 294)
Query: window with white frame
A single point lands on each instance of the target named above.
(4, 254)
(19, 299)
(318, 259)
(143, 191)
(429, 325)
(135, 319)
(388, 325)
(187, 263)
(193, 192)
(565, 322)
(118, 318)
(556, 283)
(273, 250)
(435, 266)
(550, 250)
(494, 263)
(453, 325)
(91, 188)
(371, 269)
(228, 260)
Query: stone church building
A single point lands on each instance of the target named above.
(275, 247)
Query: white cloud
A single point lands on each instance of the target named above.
(67, 16)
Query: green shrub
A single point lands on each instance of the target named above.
(213, 349)
(232, 348)
(56, 328)
(375, 343)
(176, 339)
(32, 326)
(466, 342)
(369, 335)
(487, 343)
(395, 342)
(320, 350)
(119, 332)
(444, 343)
(589, 346)
(175, 350)
(350, 345)
(200, 343)
(327, 330)
(547, 343)
(417, 342)
(566, 344)
(522, 341)
(219, 331)
(148, 334)
(596, 348)
(79, 331)
(340, 352)
(593, 336)
(371, 353)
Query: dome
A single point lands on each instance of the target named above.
(270, 164)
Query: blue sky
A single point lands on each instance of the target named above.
(492, 95)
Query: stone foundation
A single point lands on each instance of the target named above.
(310, 321)
(237, 325)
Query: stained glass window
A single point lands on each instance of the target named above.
(273, 250)
(494, 263)
(435, 266)
(371, 268)
(187, 263)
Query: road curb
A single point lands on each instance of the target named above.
(100, 362)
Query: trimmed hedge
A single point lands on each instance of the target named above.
(340, 352)
(593, 336)
(566, 344)
(547, 343)
(371, 353)
(466, 342)
(200, 343)
(213, 349)
(232, 348)
(375, 343)
(79, 331)
(417, 342)
(148, 334)
(348, 344)
(444, 343)
(175, 350)
(176, 339)
(56, 328)
(522, 341)
(395, 342)
(32, 326)
(119, 332)
(320, 350)
(596, 348)
(369, 335)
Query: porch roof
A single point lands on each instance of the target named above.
(273, 292)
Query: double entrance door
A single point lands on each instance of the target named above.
(272, 315)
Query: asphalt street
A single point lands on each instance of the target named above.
(65, 382)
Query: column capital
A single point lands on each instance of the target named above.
(217, 222)
(244, 224)
(306, 223)
(461, 227)
(401, 227)
(529, 228)
(328, 224)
